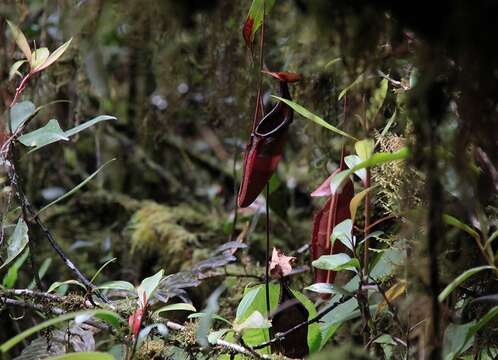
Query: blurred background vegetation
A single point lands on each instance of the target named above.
(179, 79)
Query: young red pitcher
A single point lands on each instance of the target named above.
(266, 145)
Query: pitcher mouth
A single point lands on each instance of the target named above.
(271, 123)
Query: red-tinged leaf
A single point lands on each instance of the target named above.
(335, 210)
(259, 9)
(135, 320)
(283, 75)
(247, 31)
(280, 264)
(324, 188)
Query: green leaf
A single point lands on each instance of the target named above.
(41, 272)
(334, 319)
(254, 321)
(454, 340)
(314, 333)
(20, 40)
(117, 285)
(332, 62)
(490, 315)
(386, 128)
(359, 79)
(259, 8)
(336, 262)
(460, 279)
(10, 278)
(315, 118)
(108, 316)
(16, 242)
(148, 286)
(94, 277)
(214, 336)
(326, 288)
(87, 124)
(175, 307)
(14, 69)
(453, 221)
(247, 302)
(214, 317)
(376, 159)
(20, 113)
(90, 355)
(53, 57)
(343, 233)
(57, 284)
(492, 238)
(364, 148)
(377, 100)
(353, 160)
(212, 308)
(413, 77)
(356, 201)
(44, 136)
(38, 57)
(74, 190)
(255, 300)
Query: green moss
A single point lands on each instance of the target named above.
(172, 233)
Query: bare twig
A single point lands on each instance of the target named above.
(28, 211)
(52, 309)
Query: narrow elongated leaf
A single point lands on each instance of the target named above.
(358, 80)
(87, 124)
(14, 69)
(326, 288)
(44, 136)
(108, 316)
(356, 200)
(117, 285)
(148, 286)
(20, 113)
(90, 355)
(375, 159)
(75, 189)
(214, 317)
(258, 10)
(53, 57)
(175, 307)
(386, 128)
(16, 242)
(490, 315)
(10, 278)
(460, 279)
(38, 57)
(315, 118)
(102, 268)
(377, 100)
(453, 221)
(212, 308)
(20, 40)
(364, 148)
(57, 284)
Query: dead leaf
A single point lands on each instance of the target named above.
(280, 264)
